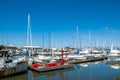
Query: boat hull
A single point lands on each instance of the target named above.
(52, 69)
(19, 68)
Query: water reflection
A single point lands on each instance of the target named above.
(114, 63)
(100, 70)
(59, 74)
(85, 70)
(20, 76)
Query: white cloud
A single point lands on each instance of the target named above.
(106, 28)
(111, 31)
(114, 31)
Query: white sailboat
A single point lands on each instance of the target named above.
(29, 36)
(114, 52)
(77, 56)
(29, 41)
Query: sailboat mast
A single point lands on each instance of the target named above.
(89, 36)
(78, 42)
(112, 46)
(73, 40)
(3, 39)
(30, 37)
(29, 34)
(49, 40)
(43, 41)
(52, 46)
(28, 30)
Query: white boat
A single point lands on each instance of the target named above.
(114, 54)
(84, 65)
(115, 66)
(2, 63)
(76, 56)
(42, 57)
(114, 51)
(84, 52)
(9, 67)
(30, 61)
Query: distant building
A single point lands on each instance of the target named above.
(36, 49)
(8, 47)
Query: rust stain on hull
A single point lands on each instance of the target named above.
(22, 67)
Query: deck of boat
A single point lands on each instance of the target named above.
(52, 69)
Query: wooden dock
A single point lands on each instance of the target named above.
(52, 68)
(87, 60)
(52, 73)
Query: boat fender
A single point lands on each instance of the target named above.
(35, 66)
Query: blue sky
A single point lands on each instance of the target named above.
(60, 18)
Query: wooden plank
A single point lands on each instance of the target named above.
(87, 60)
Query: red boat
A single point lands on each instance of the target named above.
(51, 65)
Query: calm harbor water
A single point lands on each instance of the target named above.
(100, 70)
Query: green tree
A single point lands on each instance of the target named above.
(2, 47)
